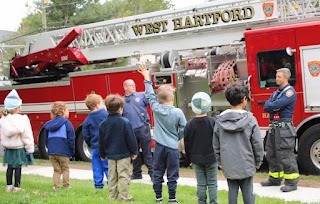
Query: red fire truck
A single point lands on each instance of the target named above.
(201, 48)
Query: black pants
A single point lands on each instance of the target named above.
(165, 159)
(281, 157)
(17, 176)
(143, 137)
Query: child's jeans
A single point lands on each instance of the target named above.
(99, 168)
(60, 166)
(206, 175)
(165, 158)
(119, 171)
(246, 186)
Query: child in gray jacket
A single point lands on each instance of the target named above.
(238, 144)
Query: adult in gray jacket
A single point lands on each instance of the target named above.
(238, 144)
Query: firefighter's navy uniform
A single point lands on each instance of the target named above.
(281, 140)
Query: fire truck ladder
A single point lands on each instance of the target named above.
(114, 38)
(153, 32)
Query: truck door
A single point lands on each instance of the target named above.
(310, 72)
(266, 53)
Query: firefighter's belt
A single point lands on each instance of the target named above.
(281, 123)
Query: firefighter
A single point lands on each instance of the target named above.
(281, 135)
(135, 110)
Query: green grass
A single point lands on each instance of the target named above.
(38, 190)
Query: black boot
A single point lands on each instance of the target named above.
(288, 188)
(270, 183)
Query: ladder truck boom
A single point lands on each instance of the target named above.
(207, 25)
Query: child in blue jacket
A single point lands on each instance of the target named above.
(90, 132)
(60, 141)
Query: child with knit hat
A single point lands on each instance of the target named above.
(16, 138)
(198, 136)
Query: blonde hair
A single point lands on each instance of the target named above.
(5, 112)
(58, 109)
(92, 100)
(113, 103)
(165, 93)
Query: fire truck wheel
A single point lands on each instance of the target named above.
(43, 151)
(83, 151)
(309, 151)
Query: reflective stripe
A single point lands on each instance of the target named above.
(276, 174)
(291, 176)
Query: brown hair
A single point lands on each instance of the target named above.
(165, 93)
(92, 100)
(58, 109)
(113, 103)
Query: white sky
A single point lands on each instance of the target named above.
(12, 11)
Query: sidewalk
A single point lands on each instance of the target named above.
(303, 194)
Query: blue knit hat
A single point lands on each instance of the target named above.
(12, 101)
(201, 103)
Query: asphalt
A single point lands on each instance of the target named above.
(303, 194)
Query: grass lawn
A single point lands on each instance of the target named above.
(38, 189)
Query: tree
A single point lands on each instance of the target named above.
(59, 12)
(113, 9)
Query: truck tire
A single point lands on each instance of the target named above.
(309, 151)
(43, 151)
(83, 151)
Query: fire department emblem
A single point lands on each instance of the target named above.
(314, 68)
(268, 8)
(137, 100)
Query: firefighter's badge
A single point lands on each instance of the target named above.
(289, 93)
(314, 68)
(268, 8)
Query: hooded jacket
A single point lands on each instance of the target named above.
(60, 137)
(237, 144)
(16, 132)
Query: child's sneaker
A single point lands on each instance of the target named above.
(9, 188)
(17, 189)
(57, 189)
(159, 200)
(173, 201)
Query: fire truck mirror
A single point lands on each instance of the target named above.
(290, 51)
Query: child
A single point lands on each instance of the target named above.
(60, 141)
(169, 129)
(238, 145)
(117, 142)
(90, 132)
(199, 151)
(16, 138)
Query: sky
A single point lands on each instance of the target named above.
(12, 11)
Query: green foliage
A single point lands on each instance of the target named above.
(38, 190)
(61, 13)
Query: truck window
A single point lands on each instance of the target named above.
(267, 64)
